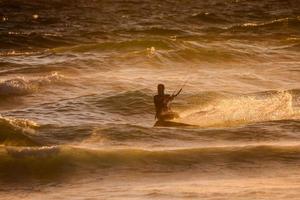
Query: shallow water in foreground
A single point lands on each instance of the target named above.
(77, 80)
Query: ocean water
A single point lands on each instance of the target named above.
(77, 80)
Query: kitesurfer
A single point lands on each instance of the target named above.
(162, 104)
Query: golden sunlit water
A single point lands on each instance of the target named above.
(77, 80)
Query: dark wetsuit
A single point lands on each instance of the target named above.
(162, 108)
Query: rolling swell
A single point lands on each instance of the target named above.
(75, 22)
(47, 161)
(170, 50)
(128, 135)
(211, 18)
(279, 25)
(127, 103)
(26, 133)
(131, 45)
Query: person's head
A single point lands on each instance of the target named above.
(160, 89)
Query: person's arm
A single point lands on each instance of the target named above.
(171, 98)
(175, 95)
(168, 98)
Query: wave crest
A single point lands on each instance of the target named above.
(278, 24)
(17, 132)
(45, 161)
(22, 86)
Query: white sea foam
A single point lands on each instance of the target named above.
(245, 109)
(23, 86)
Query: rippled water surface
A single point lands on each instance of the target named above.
(77, 80)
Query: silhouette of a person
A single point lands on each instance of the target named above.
(162, 107)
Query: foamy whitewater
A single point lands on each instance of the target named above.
(77, 80)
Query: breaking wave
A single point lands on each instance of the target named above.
(17, 132)
(241, 110)
(22, 86)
